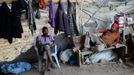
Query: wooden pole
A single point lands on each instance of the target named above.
(124, 25)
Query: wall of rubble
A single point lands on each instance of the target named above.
(94, 14)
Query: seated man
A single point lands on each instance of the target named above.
(46, 42)
(109, 37)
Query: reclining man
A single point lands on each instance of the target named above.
(46, 42)
(109, 37)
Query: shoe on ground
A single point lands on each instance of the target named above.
(84, 49)
(54, 66)
(48, 69)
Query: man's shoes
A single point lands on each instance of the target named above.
(84, 49)
(48, 69)
(54, 66)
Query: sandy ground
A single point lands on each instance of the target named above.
(9, 52)
(92, 69)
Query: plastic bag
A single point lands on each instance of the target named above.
(65, 55)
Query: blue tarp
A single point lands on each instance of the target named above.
(16, 68)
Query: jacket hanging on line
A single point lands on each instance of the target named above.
(16, 19)
(42, 4)
(35, 5)
(10, 22)
(60, 19)
(31, 18)
(6, 26)
(66, 22)
(28, 6)
(51, 14)
(72, 20)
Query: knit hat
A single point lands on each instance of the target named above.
(115, 25)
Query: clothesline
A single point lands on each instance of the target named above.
(10, 1)
(66, 0)
(7, 1)
(55, 1)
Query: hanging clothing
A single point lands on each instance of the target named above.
(22, 4)
(35, 5)
(31, 18)
(42, 4)
(10, 21)
(71, 14)
(28, 6)
(60, 19)
(16, 19)
(5, 23)
(66, 26)
(51, 14)
(29, 13)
